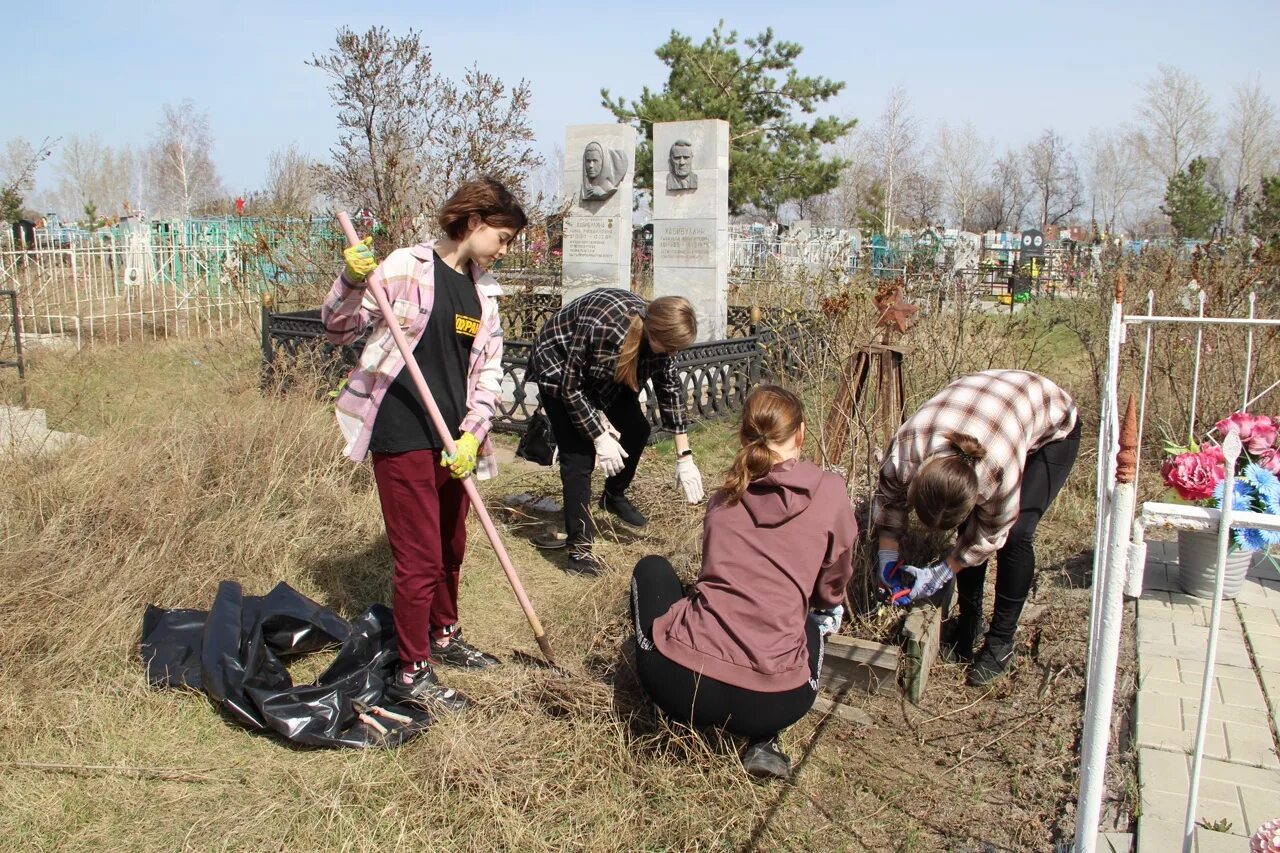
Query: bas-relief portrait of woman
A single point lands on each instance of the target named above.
(602, 170)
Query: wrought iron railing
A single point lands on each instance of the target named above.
(716, 375)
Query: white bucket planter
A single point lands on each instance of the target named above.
(1198, 564)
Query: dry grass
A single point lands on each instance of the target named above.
(194, 476)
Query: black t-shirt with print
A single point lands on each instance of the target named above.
(443, 354)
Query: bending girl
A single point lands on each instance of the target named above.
(985, 457)
(590, 361)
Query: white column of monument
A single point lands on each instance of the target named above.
(599, 168)
(691, 218)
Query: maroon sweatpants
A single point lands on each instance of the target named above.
(425, 511)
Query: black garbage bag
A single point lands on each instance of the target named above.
(236, 653)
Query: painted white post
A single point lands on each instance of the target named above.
(1108, 429)
(1231, 451)
(1102, 675)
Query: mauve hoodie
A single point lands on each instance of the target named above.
(785, 547)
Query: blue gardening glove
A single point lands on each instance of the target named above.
(928, 580)
(360, 261)
(892, 581)
(463, 460)
(828, 620)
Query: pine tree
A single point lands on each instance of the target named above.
(1264, 218)
(1192, 206)
(772, 159)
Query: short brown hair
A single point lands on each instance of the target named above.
(484, 197)
(944, 488)
(771, 415)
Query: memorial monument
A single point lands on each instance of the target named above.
(598, 177)
(691, 219)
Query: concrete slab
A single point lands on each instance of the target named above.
(1165, 836)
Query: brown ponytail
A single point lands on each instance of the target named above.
(672, 324)
(945, 487)
(771, 415)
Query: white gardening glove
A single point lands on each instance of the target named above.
(689, 478)
(609, 454)
(828, 621)
(928, 580)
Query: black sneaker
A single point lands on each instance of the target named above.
(765, 759)
(417, 683)
(959, 636)
(462, 654)
(624, 509)
(992, 662)
(582, 563)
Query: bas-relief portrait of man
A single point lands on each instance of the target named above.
(681, 176)
(602, 170)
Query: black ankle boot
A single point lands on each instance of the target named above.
(624, 509)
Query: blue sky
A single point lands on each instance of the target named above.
(106, 67)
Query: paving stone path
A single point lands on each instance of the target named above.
(1240, 776)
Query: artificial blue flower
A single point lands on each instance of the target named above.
(1248, 538)
(1243, 495)
(1267, 486)
(1244, 498)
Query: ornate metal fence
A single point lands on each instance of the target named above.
(716, 375)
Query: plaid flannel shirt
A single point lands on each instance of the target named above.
(1012, 413)
(407, 276)
(577, 349)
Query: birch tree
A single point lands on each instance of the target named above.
(1250, 148)
(893, 143)
(1116, 177)
(1176, 122)
(1053, 177)
(963, 160)
(182, 173)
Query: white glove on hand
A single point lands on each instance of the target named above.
(609, 454)
(828, 621)
(928, 580)
(689, 478)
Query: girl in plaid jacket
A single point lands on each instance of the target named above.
(590, 361)
(445, 302)
(985, 457)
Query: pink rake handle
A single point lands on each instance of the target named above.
(446, 435)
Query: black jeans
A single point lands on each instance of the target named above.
(578, 459)
(696, 699)
(1042, 478)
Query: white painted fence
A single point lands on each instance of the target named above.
(1120, 550)
(117, 292)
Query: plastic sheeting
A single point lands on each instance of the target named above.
(236, 652)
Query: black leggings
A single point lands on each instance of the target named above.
(1042, 478)
(696, 699)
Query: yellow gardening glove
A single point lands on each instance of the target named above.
(360, 260)
(463, 461)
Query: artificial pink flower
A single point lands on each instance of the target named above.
(1194, 475)
(1270, 459)
(1257, 432)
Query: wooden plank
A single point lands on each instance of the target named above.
(849, 663)
(922, 632)
(838, 709)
